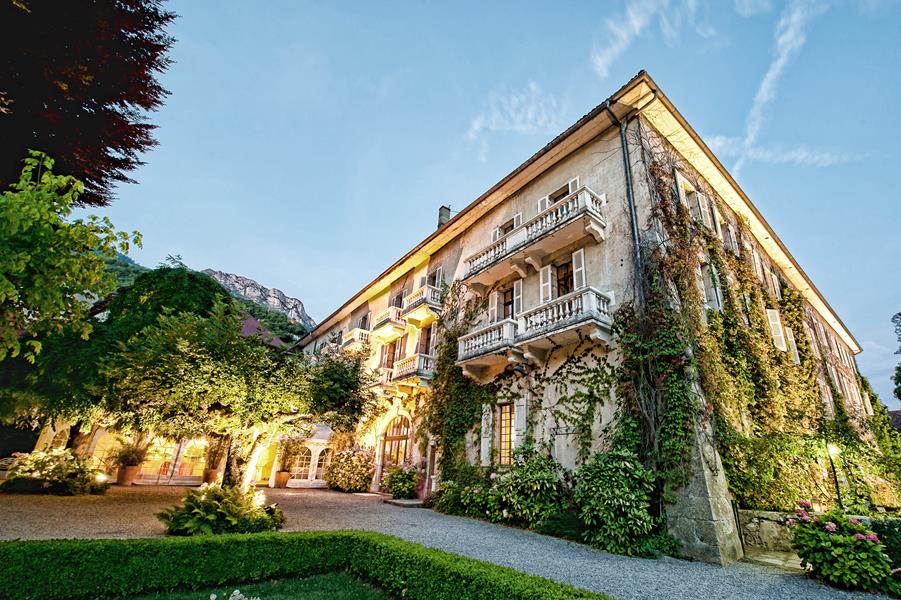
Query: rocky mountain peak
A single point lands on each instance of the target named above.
(271, 298)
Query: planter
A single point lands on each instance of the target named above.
(211, 475)
(281, 478)
(127, 475)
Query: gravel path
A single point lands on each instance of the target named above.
(129, 513)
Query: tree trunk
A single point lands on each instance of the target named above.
(240, 449)
(79, 441)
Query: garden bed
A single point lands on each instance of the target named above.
(57, 569)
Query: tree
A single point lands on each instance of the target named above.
(77, 80)
(49, 262)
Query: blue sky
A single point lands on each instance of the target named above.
(309, 145)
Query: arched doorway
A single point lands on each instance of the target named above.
(301, 467)
(396, 444)
(325, 459)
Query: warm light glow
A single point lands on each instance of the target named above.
(101, 477)
(259, 499)
(833, 450)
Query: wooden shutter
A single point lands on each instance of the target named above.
(717, 227)
(400, 348)
(706, 216)
(493, 301)
(579, 269)
(573, 184)
(433, 335)
(777, 287)
(546, 282)
(383, 359)
(517, 298)
(792, 346)
(519, 420)
(776, 329)
(517, 220)
(543, 203)
(487, 431)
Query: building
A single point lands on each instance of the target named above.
(552, 250)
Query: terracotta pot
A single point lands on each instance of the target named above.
(127, 475)
(281, 478)
(211, 475)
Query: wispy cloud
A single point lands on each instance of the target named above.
(529, 111)
(749, 8)
(624, 28)
(733, 147)
(790, 36)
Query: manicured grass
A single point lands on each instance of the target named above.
(334, 586)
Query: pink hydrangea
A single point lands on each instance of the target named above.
(854, 521)
(804, 504)
(792, 522)
(831, 527)
(872, 537)
(802, 514)
(493, 476)
(859, 536)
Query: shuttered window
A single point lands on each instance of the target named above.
(792, 345)
(543, 203)
(776, 329)
(494, 301)
(579, 269)
(546, 283)
(573, 184)
(517, 298)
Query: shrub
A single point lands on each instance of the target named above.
(98, 569)
(889, 532)
(400, 481)
(613, 494)
(129, 455)
(56, 471)
(531, 490)
(213, 509)
(841, 551)
(351, 470)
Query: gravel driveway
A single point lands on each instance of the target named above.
(129, 513)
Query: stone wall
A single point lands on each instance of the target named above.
(765, 529)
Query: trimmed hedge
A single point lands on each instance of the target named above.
(58, 569)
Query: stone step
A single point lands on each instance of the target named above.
(788, 561)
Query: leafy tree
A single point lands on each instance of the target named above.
(49, 262)
(77, 80)
(124, 269)
(275, 322)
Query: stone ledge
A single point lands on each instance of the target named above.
(403, 503)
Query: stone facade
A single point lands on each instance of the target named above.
(551, 251)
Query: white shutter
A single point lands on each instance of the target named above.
(546, 283)
(433, 337)
(517, 298)
(717, 227)
(579, 269)
(495, 234)
(543, 203)
(755, 260)
(487, 431)
(777, 288)
(517, 220)
(493, 301)
(733, 238)
(519, 420)
(776, 329)
(439, 276)
(792, 345)
(573, 184)
(706, 216)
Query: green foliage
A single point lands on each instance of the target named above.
(50, 261)
(56, 471)
(124, 269)
(274, 321)
(341, 389)
(333, 586)
(351, 470)
(102, 569)
(613, 492)
(842, 552)
(400, 481)
(214, 509)
(889, 532)
(129, 454)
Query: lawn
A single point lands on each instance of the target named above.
(334, 586)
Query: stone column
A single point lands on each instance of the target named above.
(701, 517)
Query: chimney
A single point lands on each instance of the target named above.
(443, 216)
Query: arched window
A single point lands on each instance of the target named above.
(301, 467)
(397, 442)
(325, 458)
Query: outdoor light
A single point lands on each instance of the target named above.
(101, 477)
(833, 450)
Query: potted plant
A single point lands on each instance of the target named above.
(215, 451)
(290, 451)
(128, 457)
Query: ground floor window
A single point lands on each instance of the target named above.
(325, 459)
(301, 467)
(505, 434)
(397, 442)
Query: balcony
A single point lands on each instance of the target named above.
(422, 306)
(562, 224)
(385, 375)
(583, 314)
(388, 325)
(355, 338)
(417, 366)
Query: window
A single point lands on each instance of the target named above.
(777, 284)
(709, 287)
(505, 434)
(364, 322)
(388, 352)
(775, 323)
(400, 348)
(507, 303)
(435, 278)
(301, 467)
(398, 300)
(706, 214)
(427, 340)
(694, 208)
(564, 278)
(325, 459)
(558, 195)
(397, 442)
(755, 262)
(792, 345)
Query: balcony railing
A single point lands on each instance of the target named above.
(385, 375)
(427, 294)
(488, 339)
(417, 365)
(563, 311)
(581, 202)
(390, 314)
(355, 336)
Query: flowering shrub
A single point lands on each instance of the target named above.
(841, 551)
(351, 470)
(400, 481)
(613, 494)
(214, 509)
(56, 471)
(889, 532)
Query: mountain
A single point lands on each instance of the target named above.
(270, 298)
